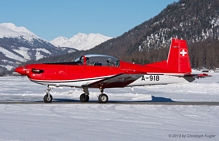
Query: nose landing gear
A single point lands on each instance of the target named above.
(48, 97)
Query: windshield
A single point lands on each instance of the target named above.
(98, 60)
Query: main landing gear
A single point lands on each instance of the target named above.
(48, 97)
(102, 98)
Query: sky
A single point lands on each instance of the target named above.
(49, 19)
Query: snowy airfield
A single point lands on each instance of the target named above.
(66, 119)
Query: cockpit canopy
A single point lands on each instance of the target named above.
(98, 60)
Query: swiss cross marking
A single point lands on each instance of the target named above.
(183, 52)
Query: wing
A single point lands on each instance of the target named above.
(119, 80)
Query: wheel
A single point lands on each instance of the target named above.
(47, 99)
(84, 98)
(103, 98)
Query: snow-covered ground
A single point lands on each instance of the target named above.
(128, 122)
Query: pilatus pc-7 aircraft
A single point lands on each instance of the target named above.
(103, 71)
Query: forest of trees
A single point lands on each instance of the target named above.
(205, 54)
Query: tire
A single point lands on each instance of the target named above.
(48, 99)
(103, 98)
(84, 98)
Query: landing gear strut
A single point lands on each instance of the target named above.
(103, 98)
(48, 97)
(85, 96)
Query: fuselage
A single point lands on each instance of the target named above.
(77, 75)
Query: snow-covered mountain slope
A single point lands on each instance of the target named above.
(11, 30)
(18, 44)
(80, 41)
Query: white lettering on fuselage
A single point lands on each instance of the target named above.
(150, 78)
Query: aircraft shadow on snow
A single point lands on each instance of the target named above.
(154, 99)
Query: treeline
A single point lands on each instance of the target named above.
(205, 54)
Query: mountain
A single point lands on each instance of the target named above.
(9, 30)
(18, 44)
(196, 21)
(80, 41)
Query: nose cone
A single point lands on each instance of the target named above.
(21, 70)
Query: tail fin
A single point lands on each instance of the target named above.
(178, 58)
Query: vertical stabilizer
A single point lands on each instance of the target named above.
(178, 58)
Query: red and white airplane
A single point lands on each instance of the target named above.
(103, 71)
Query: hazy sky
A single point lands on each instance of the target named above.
(52, 18)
